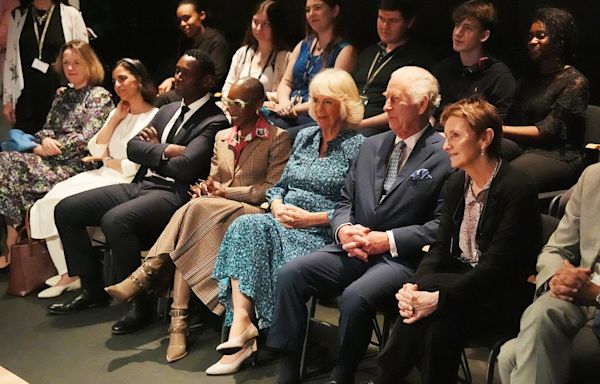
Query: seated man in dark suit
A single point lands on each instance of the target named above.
(389, 210)
(174, 151)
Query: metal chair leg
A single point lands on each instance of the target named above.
(378, 333)
(491, 363)
(311, 314)
(464, 367)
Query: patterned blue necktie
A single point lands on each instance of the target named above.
(393, 164)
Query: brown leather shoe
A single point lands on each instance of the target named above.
(178, 331)
(141, 279)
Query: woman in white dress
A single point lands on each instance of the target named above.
(136, 91)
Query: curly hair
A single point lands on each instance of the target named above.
(561, 29)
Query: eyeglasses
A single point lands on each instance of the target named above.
(237, 103)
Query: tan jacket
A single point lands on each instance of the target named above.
(577, 236)
(260, 165)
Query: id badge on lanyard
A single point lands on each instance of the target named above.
(38, 63)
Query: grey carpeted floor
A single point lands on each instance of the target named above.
(79, 348)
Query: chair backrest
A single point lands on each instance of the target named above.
(592, 124)
(559, 203)
(549, 225)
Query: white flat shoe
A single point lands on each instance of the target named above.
(229, 368)
(57, 290)
(51, 282)
(235, 344)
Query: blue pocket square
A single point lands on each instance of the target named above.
(420, 174)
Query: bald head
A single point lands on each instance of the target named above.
(252, 88)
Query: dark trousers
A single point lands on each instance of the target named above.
(131, 216)
(434, 344)
(367, 286)
(548, 173)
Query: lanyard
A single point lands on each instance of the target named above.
(40, 40)
(297, 99)
(371, 76)
(264, 66)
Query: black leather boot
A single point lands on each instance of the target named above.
(137, 317)
(91, 296)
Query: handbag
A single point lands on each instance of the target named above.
(18, 141)
(31, 264)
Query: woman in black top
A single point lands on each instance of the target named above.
(548, 114)
(473, 281)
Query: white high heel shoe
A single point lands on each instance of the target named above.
(58, 290)
(235, 344)
(227, 369)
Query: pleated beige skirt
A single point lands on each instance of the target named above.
(192, 239)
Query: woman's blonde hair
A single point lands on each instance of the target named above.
(92, 66)
(338, 85)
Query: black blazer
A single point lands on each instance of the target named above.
(197, 135)
(412, 207)
(509, 237)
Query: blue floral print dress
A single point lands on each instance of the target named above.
(74, 118)
(256, 246)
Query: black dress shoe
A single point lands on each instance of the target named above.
(137, 317)
(85, 300)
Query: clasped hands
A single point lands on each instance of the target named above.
(206, 188)
(361, 242)
(291, 216)
(283, 110)
(49, 147)
(414, 304)
(574, 284)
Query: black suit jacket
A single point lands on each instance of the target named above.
(509, 237)
(197, 135)
(412, 207)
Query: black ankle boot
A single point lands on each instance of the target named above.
(137, 317)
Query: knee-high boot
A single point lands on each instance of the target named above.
(178, 330)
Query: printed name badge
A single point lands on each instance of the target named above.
(40, 65)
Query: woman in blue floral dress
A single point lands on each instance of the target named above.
(302, 202)
(77, 113)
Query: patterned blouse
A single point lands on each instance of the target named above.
(474, 206)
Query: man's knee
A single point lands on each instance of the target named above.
(291, 275)
(506, 360)
(114, 224)
(353, 300)
(548, 312)
(67, 211)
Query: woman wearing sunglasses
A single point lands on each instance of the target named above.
(302, 202)
(248, 159)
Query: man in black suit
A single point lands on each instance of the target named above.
(174, 151)
(389, 210)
